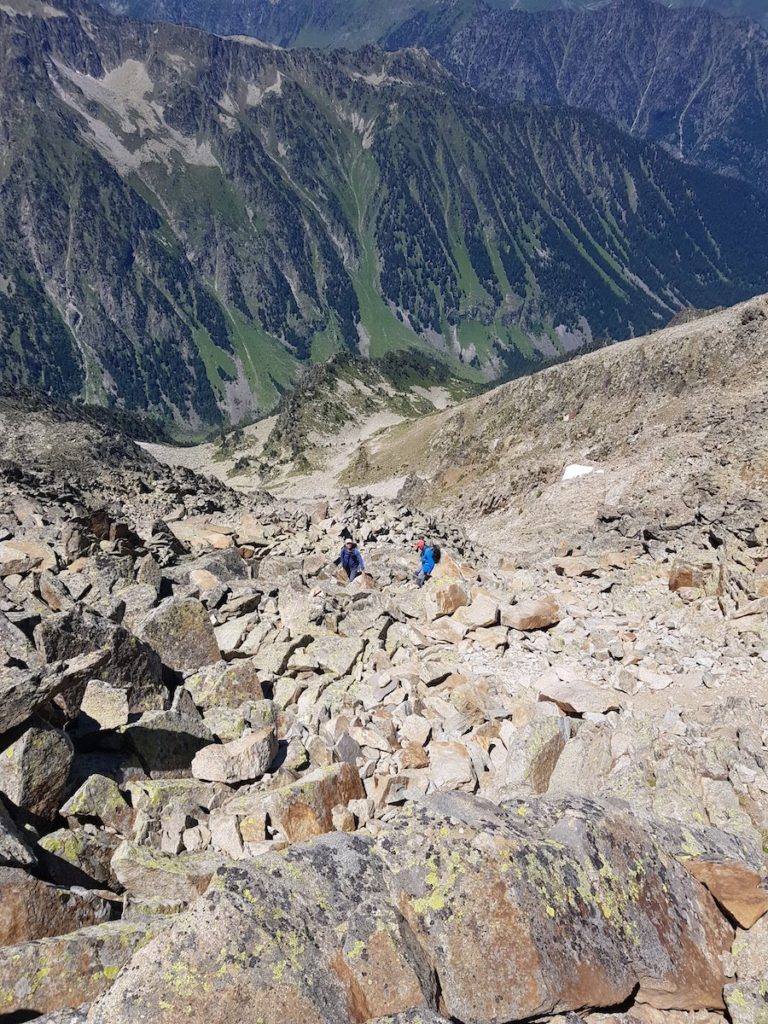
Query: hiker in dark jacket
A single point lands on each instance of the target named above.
(351, 560)
(427, 557)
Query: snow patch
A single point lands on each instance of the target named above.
(576, 470)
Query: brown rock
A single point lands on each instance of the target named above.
(741, 890)
(31, 909)
(304, 809)
(446, 597)
(532, 614)
(68, 971)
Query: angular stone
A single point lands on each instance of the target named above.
(534, 613)
(76, 857)
(445, 598)
(577, 697)
(166, 742)
(330, 947)
(482, 613)
(336, 654)
(99, 799)
(180, 630)
(22, 692)
(14, 851)
(32, 909)
(104, 706)
(130, 665)
(304, 809)
(14, 645)
(532, 755)
(243, 760)
(499, 894)
(450, 765)
(742, 891)
(68, 970)
(34, 771)
(225, 685)
(148, 874)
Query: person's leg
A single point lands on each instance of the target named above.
(354, 574)
(420, 578)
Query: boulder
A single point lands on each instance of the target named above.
(242, 760)
(330, 947)
(304, 809)
(746, 995)
(450, 765)
(14, 851)
(577, 697)
(34, 770)
(482, 613)
(148, 874)
(445, 598)
(225, 685)
(180, 631)
(499, 894)
(167, 741)
(531, 614)
(14, 645)
(130, 664)
(79, 857)
(32, 909)
(99, 799)
(68, 970)
(526, 910)
(107, 707)
(22, 692)
(532, 755)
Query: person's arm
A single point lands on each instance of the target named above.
(360, 561)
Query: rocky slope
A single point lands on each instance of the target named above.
(187, 219)
(235, 787)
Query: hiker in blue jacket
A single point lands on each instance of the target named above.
(351, 560)
(427, 556)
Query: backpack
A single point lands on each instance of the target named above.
(436, 552)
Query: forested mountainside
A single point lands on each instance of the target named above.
(187, 219)
(352, 23)
(688, 79)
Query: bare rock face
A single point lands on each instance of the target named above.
(34, 771)
(31, 909)
(530, 908)
(180, 630)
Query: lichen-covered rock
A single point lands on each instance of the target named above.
(147, 873)
(225, 684)
(99, 799)
(571, 898)
(532, 908)
(32, 909)
(68, 970)
(308, 936)
(305, 808)
(78, 857)
(242, 760)
(34, 770)
(746, 996)
(180, 630)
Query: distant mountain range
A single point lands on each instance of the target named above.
(186, 220)
(353, 23)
